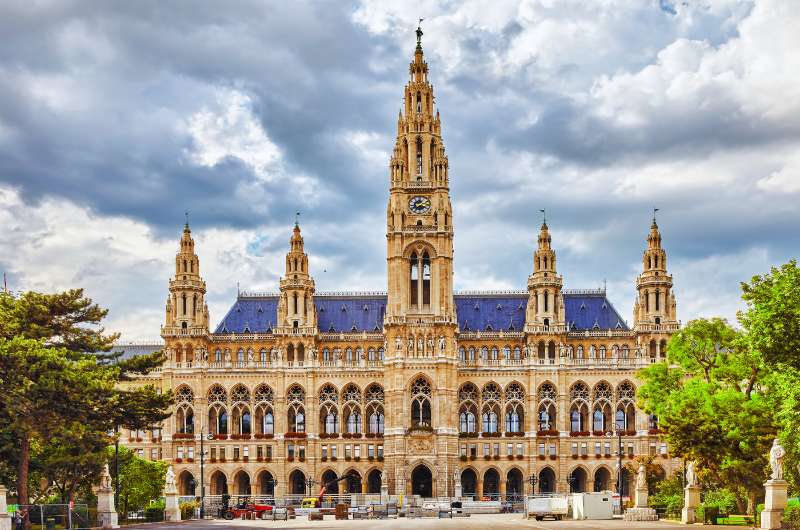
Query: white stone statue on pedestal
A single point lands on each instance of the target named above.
(106, 513)
(691, 495)
(776, 454)
(776, 490)
(691, 474)
(458, 491)
(172, 510)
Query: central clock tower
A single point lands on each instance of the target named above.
(419, 228)
(421, 433)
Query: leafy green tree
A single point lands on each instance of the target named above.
(141, 480)
(772, 325)
(65, 407)
(709, 401)
(42, 389)
(772, 318)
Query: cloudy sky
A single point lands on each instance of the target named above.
(116, 117)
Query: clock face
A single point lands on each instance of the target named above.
(419, 205)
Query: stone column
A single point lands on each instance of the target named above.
(106, 513)
(774, 503)
(5, 519)
(172, 510)
(691, 501)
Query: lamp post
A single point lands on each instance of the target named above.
(532, 480)
(310, 482)
(616, 431)
(202, 473)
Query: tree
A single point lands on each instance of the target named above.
(772, 324)
(42, 389)
(772, 318)
(140, 480)
(709, 401)
(63, 331)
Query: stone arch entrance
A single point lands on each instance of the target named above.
(422, 481)
(374, 481)
(602, 479)
(353, 481)
(547, 481)
(241, 483)
(219, 483)
(329, 477)
(515, 487)
(266, 484)
(186, 483)
(626, 483)
(469, 483)
(577, 480)
(297, 482)
(491, 484)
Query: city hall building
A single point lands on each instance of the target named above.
(418, 389)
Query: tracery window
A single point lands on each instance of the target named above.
(514, 417)
(295, 398)
(240, 394)
(374, 398)
(468, 408)
(328, 393)
(420, 403)
(547, 396)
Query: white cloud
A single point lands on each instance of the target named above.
(232, 130)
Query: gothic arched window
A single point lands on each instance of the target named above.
(414, 261)
(420, 403)
(426, 279)
(419, 157)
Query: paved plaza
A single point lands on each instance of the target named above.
(477, 522)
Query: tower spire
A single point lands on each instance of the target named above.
(296, 305)
(545, 310)
(186, 307)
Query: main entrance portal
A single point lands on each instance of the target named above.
(422, 481)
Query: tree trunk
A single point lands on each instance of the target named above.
(22, 473)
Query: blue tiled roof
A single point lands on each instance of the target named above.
(475, 312)
(591, 312)
(254, 314)
(350, 313)
(491, 312)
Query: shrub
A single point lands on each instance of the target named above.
(188, 508)
(722, 499)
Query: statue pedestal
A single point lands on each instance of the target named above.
(774, 503)
(641, 512)
(5, 519)
(641, 498)
(384, 491)
(458, 492)
(106, 514)
(172, 510)
(691, 500)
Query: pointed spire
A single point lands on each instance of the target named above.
(654, 238)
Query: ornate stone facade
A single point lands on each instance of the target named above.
(419, 388)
